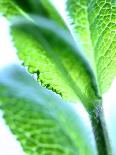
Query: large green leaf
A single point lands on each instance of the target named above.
(41, 121)
(94, 23)
(60, 68)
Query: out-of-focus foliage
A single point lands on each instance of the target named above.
(78, 67)
(42, 122)
(59, 68)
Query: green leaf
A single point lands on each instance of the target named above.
(43, 8)
(9, 8)
(60, 68)
(94, 25)
(41, 121)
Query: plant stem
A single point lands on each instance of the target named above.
(98, 128)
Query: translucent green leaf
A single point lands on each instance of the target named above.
(94, 25)
(41, 121)
(59, 68)
(43, 8)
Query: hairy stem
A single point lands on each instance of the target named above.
(100, 135)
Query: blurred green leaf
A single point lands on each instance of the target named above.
(41, 121)
(42, 8)
(59, 68)
(46, 9)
